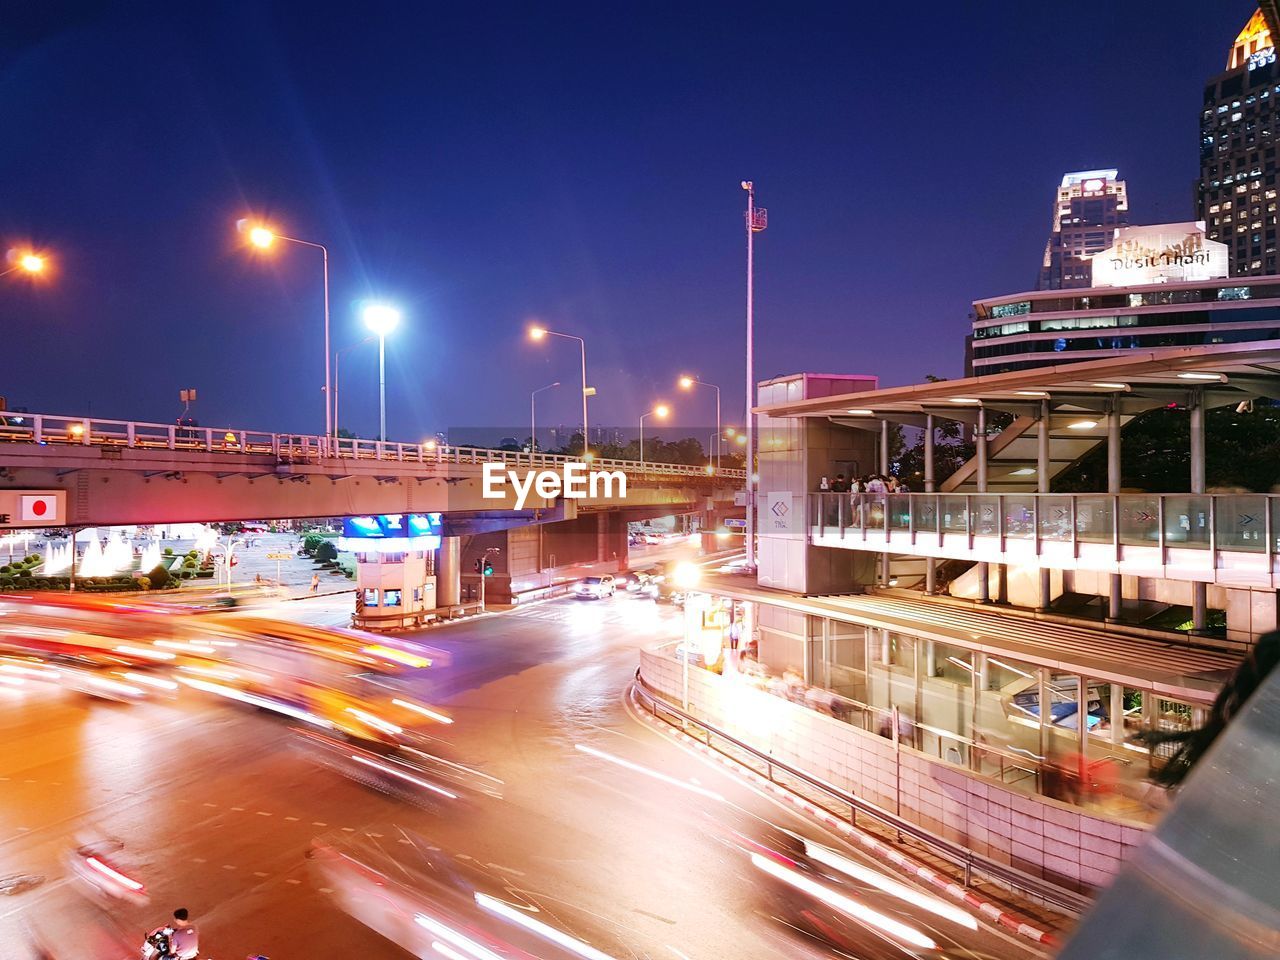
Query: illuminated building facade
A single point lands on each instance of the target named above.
(1089, 206)
(1236, 192)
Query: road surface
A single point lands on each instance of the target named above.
(217, 809)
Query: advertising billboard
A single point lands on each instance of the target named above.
(390, 533)
(1163, 253)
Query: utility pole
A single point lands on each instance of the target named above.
(757, 219)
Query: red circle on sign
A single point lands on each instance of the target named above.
(40, 507)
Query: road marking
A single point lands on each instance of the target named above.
(291, 818)
(376, 836)
(293, 881)
(318, 823)
(349, 829)
(258, 873)
(263, 813)
(199, 860)
(209, 804)
(228, 866)
(238, 809)
(326, 890)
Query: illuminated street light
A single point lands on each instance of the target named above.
(381, 319)
(263, 237)
(660, 411)
(24, 261)
(688, 383)
(537, 333)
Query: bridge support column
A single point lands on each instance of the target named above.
(931, 564)
(1042, 486)
(1199, 591)
(1115, 595)
(885, 564)
(980, 443)
(449, 574)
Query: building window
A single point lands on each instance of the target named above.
(1235, 293)
(1018, 309)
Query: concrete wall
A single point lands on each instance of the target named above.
(1042, 837)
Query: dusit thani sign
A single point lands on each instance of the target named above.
(1163, 253)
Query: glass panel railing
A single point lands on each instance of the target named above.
(1019, 516)
(1055, 517)
(952, 511)
(1240, 523)
(985, 518)
(1095, 519)
(925, 508)
(1186, 521)
(1140, 521)
(898, 510)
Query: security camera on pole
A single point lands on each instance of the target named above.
(757, 220)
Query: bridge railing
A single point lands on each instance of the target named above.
(48, 429)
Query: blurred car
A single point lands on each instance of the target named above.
(594, 588)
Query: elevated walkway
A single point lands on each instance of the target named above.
(1224, 539)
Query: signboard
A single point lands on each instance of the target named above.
(777, 512)
(1163, 253)
(390, 533)
(279, 556)
(33, 508)
(736, 523)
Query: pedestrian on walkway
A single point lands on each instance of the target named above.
(315, 583)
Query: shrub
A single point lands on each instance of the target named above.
(5, 569)
(192, 554)
(144, 583)
(327, 551)
(159, 576)
(34, 558)
(168, 551)
(311, 543)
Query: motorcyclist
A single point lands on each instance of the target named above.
(176, 940)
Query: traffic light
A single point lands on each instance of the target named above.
(488, 568)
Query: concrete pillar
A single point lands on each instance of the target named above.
(884, 470)
(980, 442)
(1199, 591)
(1115, 595)
(1042, 486)
(931, 564)
(449, 572)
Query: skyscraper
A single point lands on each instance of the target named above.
(1236, 192)
(1088, 208)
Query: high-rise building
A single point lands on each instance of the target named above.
(1236, 192)
(1088, 208)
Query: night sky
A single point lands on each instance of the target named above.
(575, 164)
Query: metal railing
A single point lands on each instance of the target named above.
(47, 429)
(1241, 523)
(965, 860)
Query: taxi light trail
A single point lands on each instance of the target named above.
(115, 875)
(425, 711)
(600, 754)
(396, 656)
(892, 887)
(146, 681)
(374, 721)
(541, 929)
(842, 903)
(403, 776)
(144, 652)
(452, 936)
(231, 693)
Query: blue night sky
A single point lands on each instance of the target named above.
(579, 164)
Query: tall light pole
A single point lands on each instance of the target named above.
(336, 357)
(263, 237)
(533, 419)
(381, 319)
(536, 333)
(688, 383)
(660, 411)
(757, 220)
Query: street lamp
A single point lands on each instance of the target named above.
(25, 261)
(381, 319)
(533, 419)
(537, 333)
(660, 411)
(688, 383)
(263, 237)
(336, 357)
(757, 220)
